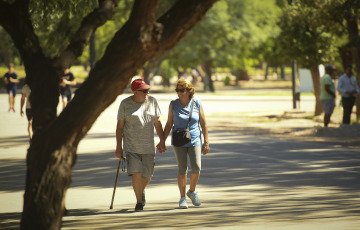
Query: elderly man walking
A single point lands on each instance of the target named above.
(137, 117)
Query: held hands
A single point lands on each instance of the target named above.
(161, 147)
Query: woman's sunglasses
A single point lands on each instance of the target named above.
(143, 90)
(180, 90)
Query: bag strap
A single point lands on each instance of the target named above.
(192, 106)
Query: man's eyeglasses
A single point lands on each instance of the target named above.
(180, 90)
(143, 90)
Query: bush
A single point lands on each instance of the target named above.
(227, 80)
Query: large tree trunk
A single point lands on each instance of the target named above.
(266, 71)
(208, 83)
(315, 74)
(52, 153)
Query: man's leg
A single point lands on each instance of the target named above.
(10, 99)
(139, 184)
(346, 114)
(327, 119)
(13, 103)
(348, 104)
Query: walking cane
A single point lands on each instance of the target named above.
(117, 174)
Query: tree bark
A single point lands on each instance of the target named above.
(282, 71)
(266, 72)
(315, 74)
(52, 153)
(207, 67)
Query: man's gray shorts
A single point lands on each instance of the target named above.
(140, 164)
(328, 106)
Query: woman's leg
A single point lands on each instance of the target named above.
(182, 184)
(195, 161)
(181, 158)
(193, 181)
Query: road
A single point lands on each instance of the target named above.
(247, 182)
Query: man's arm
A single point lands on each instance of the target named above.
(66, 82)
(159, 130)
(14, 80)
(119, 137)
(327, 88)
(72, 82)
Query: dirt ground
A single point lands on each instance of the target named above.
(293, 125)
(299, 126)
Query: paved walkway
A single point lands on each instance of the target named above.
(247, 182)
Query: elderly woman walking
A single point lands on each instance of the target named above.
(180, 110)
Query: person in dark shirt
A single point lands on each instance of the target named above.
(67, 81)
(11, 80)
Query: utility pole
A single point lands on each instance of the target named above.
(293, 63)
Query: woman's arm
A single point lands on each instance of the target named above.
(169, 123)
(205, 147)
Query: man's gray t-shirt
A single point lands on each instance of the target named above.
(138, 133)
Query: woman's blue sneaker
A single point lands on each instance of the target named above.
(194, 198)
(183, 203)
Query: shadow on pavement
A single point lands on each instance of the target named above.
(244, 179)
(10, 142)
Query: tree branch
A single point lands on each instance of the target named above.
(144, 19)
(176, 25)
(89, 24)
(139, 16)
(124, 55)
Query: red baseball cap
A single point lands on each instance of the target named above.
(139, 84)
